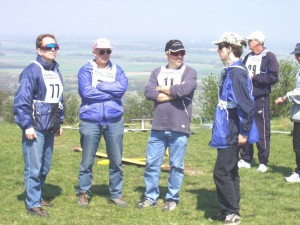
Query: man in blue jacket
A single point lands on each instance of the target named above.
(171, 88)
(233, 125)
(101, 86)
(38, 110)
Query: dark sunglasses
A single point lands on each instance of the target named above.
(182, 53)
(221, 46)
(49, 47)
(102, 51)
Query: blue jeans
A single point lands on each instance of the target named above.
(90, 135)
(157, 145)
(37, 154)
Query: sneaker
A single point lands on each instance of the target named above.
(83, 200)
(218, 217)
(39, 211)
(262, 168)
(232, 219)
(46, 203)
(169, 206)
(118, 201)
(243, 164)
(145, 203)
(293, 178)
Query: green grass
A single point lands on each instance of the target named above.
(266, 198)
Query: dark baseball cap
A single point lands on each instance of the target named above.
(174, 46)
(297, 49)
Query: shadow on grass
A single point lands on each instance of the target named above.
(285, 171)
(162, 190)
(206, 201)
(49, 192)
(100, 190)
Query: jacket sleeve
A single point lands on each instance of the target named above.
(269, 71)
(187, 86)
(150, 91)
(245, 105)
(24, 97)
(115, 89)
(87, 91)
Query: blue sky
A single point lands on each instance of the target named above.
(198, 20)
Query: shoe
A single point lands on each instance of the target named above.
(169, 206)
(38, 211)
(243, 164)
(218, 217)
(294, 178)
(83, 200)
(232, 219)
(145, 203)
(119, 201)
(46, 203)
(262, 168)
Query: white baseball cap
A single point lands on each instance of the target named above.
(258, 35)
(102, 43)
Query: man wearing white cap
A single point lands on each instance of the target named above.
(263, 69)
(101, 85)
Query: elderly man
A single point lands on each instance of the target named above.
(171, 88)
(101, 86)
(263, 69)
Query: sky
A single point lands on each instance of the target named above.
(192, 20)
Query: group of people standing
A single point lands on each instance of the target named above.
(241, 119)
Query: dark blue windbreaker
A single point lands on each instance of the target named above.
(235, 110)
(31, 94)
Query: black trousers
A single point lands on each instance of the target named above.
(262, 119)
(296, 145)
(227, 180)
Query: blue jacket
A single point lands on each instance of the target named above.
(235, 110)
(31, 94)
(102, 103)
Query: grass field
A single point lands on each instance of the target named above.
(266, 198)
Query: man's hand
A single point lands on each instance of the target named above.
(59, 132)
(242, 140)
(280, 100)
(30, 133)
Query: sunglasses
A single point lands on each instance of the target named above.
(221, 46)
(182, 53)
(49, 47)
(103, 51)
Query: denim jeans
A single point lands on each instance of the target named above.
(158, 142)
(37, 154)
(90, 135)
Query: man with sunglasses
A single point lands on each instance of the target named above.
(263, 69)
(38, 110)
(101, 85)
(171, 88)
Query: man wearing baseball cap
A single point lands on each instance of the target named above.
(294, 97)
(263, 69)
(101, 85)
(171, 88)
(233, 125)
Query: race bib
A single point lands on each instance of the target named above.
(106, 74)
(54, 87)
(170, 77)
(253, 64)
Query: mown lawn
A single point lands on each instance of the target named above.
(266, 198)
